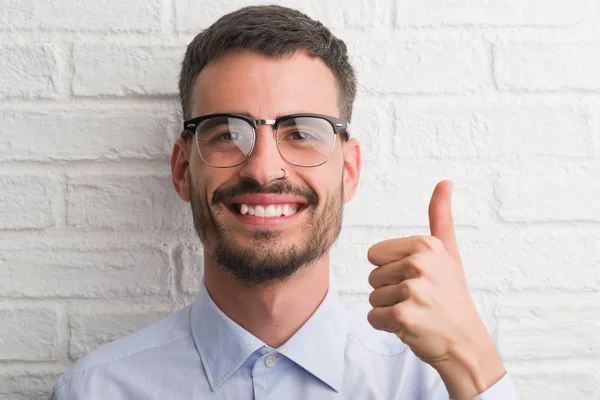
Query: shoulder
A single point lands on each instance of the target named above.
(372, 340)
(164, 332)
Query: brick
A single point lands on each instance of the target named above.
(92, 330)
(547, 67)
(74, 15)
(450, 130)
(20, 396)
(24, 396)
(364, 13)
(30, 334)
(400, 194)
(558, 386)
(495, 13)
(67, 272)
(126, 70)
(192, 269)
(372, 122)
(540, 262)
(191, 16)
(420, 67)
(595, 144)
(28, 383)
(127, 202)
(555, 192)
(568, 331)
(26, 202)
(28, 71)
(84, 134)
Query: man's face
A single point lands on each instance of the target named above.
(258, 250)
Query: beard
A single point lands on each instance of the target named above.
(267, 258)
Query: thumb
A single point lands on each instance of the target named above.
(440, 218)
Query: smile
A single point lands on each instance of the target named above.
(267, 210)
(266, 214)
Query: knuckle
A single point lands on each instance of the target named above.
(398, 313)
(418, 291)
(415, 261)
(407, 320)
(430, 243)
(407, 289)
(411, 324)
(421, 243)
(421, 264)
(413, 289)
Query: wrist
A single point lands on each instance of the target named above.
(469, 372)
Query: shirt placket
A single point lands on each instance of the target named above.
(263, 373)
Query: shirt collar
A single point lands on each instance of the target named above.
(318, 346)
(222, 344)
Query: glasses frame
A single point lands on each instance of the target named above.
(338, 125)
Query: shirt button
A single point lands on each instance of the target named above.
(270, 361)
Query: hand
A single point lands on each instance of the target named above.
(421, 295)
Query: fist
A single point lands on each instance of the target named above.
(420, 291)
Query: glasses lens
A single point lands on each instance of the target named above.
(306, 141)
(224, 141)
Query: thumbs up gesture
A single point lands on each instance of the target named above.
(420, 294)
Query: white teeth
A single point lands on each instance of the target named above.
(259, 211)
(270, 211)
(287, 211)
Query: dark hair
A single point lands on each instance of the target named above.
(273, 31)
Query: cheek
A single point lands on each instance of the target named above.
(327, 183)
(200, 179)
(213, 179)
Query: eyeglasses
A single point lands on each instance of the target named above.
(227, 140)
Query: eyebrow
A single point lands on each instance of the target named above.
(213, 123)
(276, 115)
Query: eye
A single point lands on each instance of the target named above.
(227, 136)
(300, 135)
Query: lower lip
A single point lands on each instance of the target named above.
(265, 221)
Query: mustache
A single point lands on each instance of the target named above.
(252, 187)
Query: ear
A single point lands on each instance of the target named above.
(352, 166)
(180, 162)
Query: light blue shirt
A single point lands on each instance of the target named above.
(200, 353)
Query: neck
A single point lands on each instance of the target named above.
(272, 313)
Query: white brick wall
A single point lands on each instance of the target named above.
(33, 67)
(500, 96)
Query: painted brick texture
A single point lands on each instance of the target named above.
(501, 97)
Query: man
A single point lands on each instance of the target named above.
(266, 161)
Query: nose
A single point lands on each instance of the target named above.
(265, 163)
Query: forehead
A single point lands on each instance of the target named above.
(265, 87)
